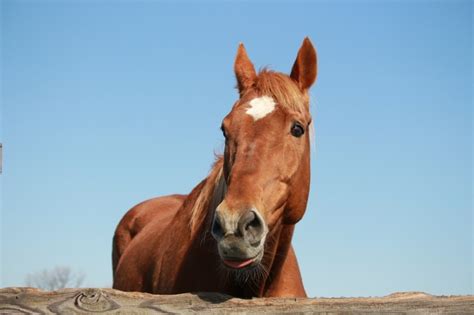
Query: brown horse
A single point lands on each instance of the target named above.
(232, 234)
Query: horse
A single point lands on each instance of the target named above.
(232, 233)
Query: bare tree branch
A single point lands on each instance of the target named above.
(57, 278)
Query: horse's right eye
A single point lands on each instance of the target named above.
(223, 132)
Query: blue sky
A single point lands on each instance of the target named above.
(105, 104)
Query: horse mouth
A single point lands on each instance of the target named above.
(237, 263)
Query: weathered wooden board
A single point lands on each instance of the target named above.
(109, 301)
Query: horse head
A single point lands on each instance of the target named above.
(266, 158)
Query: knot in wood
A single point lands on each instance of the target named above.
(94, 300)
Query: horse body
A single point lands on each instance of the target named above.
(161, 224)
(232, 234)
(161, 209)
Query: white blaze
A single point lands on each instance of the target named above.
(261, 107)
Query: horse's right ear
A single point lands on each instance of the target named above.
(244, 70)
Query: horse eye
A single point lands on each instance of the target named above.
(297, 130)
(223, 132)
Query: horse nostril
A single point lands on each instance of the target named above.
(217, 231)
(255, 223)
(251, 226)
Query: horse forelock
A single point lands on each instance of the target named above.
(286, 93)
(283, 90)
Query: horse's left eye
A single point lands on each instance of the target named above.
(297, 130)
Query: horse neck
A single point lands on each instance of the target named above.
(205, 198)
(279, 241)
(198, 210)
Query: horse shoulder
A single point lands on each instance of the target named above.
(137, 218)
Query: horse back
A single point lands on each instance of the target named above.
(161, 208)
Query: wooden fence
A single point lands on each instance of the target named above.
(109, 301)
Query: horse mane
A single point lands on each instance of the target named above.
(211, 194)
(284, 90)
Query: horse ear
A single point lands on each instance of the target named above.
(305, 67)
(244, 70)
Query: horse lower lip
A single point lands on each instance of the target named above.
(237, 264)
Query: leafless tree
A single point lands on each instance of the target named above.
(57, 278)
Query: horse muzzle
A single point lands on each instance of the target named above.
(240, 238)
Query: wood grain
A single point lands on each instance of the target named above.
(109, 301)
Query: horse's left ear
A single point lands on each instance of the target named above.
(305, 67)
